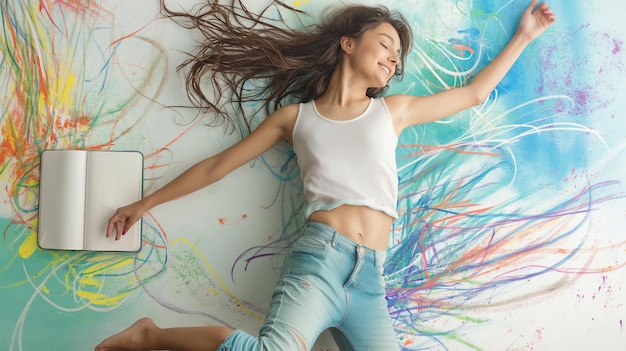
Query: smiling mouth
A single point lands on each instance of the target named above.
(385, 68)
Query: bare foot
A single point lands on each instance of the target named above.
(134, 338)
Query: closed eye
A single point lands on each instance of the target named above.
(388, 38)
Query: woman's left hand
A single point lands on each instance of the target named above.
(536, 19)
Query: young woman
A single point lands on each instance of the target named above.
(336, 71)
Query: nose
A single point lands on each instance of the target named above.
(394, 65)
(394, 58)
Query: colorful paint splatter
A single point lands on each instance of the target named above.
(512, 213)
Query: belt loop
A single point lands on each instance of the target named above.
(379, 258)
(333, 241)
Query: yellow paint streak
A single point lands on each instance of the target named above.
(101, 299)
(90, 282)
(59, 80)
(104, 266)
(299, 3)
(29, 246)
(217, 277)
(58, 97)
(64, 91)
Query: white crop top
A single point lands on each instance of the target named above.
(349, 162)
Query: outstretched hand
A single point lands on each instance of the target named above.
(536, 19)
(124, 218)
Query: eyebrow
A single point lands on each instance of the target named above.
(390, 38)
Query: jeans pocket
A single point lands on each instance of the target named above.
(311, 242)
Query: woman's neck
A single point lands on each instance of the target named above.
(343, 90)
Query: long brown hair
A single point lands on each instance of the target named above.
(258, 58)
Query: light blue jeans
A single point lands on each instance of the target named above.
(327, 281)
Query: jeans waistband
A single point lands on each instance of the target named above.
(337, 239)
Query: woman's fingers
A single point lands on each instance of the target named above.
(117, 222)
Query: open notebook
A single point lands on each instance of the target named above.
(79, 190)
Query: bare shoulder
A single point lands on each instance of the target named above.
(285, 119)
(399, 106)
(287, 111)
(397, 102)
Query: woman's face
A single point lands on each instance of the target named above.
(375, 54)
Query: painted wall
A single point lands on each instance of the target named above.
(511, 235)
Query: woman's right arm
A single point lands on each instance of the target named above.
(275, 128)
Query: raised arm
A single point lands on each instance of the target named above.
(410, 110)
(210, 170)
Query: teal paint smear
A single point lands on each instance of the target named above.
(447, 241)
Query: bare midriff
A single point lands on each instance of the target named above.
(362, 224)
